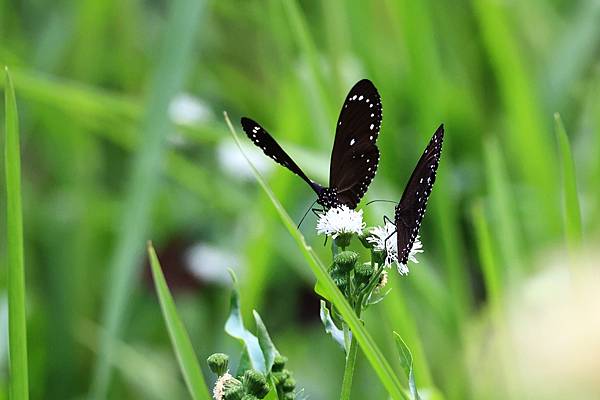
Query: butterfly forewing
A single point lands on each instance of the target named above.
(411, 209)
(355, 157)
(261, 138)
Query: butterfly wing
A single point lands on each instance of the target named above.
(411, 209)
(261, 138)
(355, 157)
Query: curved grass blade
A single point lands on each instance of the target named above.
(179, 338)
(572, 213)
(17, 322)
(380, 365)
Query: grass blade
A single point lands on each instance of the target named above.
(179, 338)
(572, 213)
(17, 321)
(380, 365)
(492, 274)
(145, 171)
(508, 233)
(531, 152)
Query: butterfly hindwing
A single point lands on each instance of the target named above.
(355, 157)
(411, 209)
(261, 138)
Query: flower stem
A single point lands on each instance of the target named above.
(349, 369)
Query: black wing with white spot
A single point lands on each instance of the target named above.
(355, 157)
(261, 138)
(411, 209)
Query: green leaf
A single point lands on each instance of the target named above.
(244, 363)
(143, 179)
(502, 202)
(234, 326)
(380, 365)
(406, 361)
(492, 273)
(188, 363)
(264, 340)
(336, 333)
(17, 318)
(572, 213)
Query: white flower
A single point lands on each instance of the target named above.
(378, 237)
(209, 263)
(186, 109)
(339, 220)
(219, 389)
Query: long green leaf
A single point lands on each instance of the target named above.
(143, 180)
(372, 352)
(508, 233)
(264, 340)
(179, 337)
(17, 321)
(406, 360)
(234, 326)
(492, 275)
(572, 214)
(530, 147)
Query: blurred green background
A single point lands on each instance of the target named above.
(121, 105)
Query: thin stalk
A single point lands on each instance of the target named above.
(351, 356)
(349, 369)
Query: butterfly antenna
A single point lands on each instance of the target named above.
(306, 213)
(384, 201)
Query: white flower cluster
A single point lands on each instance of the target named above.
(378, 237)
(219, 389)
(340, 220)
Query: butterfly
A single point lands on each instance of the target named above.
(354, 157)
(409, 212)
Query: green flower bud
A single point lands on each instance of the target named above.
(341, 280)
(280, 377)
(364, 270)
(279, 363)
(343, 240)
(256, 383)
(289, 396)
(289, 385)
(235, 392)
(345, 261)
(218, 363)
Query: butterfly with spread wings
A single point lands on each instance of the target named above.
(410, 210)
(355, 156)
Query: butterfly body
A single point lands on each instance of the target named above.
(354, 157)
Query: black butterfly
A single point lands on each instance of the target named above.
(355, 156)
(411, 209)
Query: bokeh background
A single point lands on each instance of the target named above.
(99, 81)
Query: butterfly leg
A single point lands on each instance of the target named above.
(386, 220)
(317, 211)
(387, 238)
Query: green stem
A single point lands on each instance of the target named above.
(349, 369)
